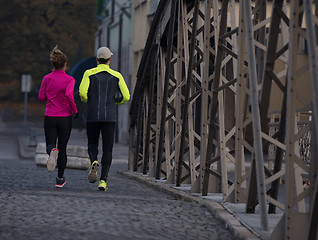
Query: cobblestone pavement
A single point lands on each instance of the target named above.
(32, 208)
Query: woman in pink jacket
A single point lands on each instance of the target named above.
(57, 90)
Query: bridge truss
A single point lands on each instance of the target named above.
(200, 109)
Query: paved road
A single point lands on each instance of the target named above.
(32, 208)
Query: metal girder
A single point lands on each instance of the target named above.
(180, 161)
(313, 67)
(170, 37)
(148, 157)
(217, 100)
(272, 58)
(209, 178)
(295, 221)
(208, 69)
(189, 80)
(200, 75)
(295, 207)
(265, 95)
(257, 139)
(242, 120)
(259, 17)
(260, 36)
(139, 141)
(159, 88)
(215, 138)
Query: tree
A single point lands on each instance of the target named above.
(29, 29)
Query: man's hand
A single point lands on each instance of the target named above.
(76, 115)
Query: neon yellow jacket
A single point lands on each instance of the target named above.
(99, 89)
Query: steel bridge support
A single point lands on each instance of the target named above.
(202, 103)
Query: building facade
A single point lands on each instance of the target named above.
(124, 27)
(115, 32)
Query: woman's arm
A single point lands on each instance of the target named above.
(69, 95)
(42, 91)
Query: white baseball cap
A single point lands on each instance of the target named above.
(104, 53)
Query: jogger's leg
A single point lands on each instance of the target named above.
(92, 130)
(64, 132)
(108, 131)
(50, 131)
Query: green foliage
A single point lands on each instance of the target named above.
(29, 29)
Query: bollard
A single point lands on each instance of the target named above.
(32, 138)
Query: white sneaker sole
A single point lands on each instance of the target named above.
(51, 162)
(60, 186)
(102, 188)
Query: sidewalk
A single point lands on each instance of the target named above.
(242, 225)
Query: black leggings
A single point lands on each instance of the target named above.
(108, 130)
(58, 128)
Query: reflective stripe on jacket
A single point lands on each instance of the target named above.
(99, 88)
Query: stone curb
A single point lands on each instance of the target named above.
(231, 222)
(77, 157)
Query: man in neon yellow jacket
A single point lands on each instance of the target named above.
(102, 89)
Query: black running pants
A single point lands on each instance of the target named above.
(93, 130)
(58, 129)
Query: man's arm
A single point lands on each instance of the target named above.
(83, 88)
(123, 89)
